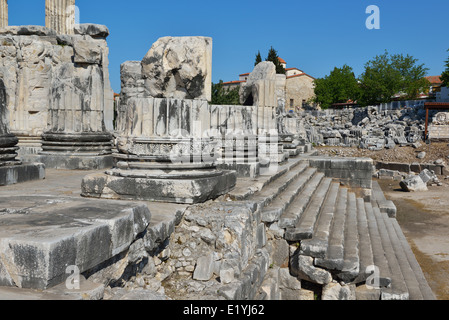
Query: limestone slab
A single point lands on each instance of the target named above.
(188, 189)
(40, 236)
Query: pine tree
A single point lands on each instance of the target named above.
(273, 57)
(258, 59)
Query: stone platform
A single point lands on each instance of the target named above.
(51, 227)
(21, 173)
(71, 162)
(40, 236)
(187, 187)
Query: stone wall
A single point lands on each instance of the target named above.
(299, 89)
(55, 82)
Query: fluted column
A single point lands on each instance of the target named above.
(235, 129)
(8, 141)
(163, 155)
(76, 137)
(60, 15)
(3, 13)
(12, 170)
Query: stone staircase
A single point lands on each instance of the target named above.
(357, 242)
(342, 235)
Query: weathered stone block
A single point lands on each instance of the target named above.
(204, 269)
(179, 67)
(335, 291)
(21, 173)
(93, 30)
(87, 51)
(81, 233)
(303, 268)
(187, 189)
(413, 184)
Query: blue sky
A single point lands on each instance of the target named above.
(314, 36)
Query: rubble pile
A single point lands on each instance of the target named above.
(368, 128)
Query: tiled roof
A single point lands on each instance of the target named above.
(232, 82)
(300, 75)
(434, 79)
(282, 60)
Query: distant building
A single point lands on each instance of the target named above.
(435, 84)
(299, 87)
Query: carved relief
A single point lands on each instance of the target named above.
(441, 118)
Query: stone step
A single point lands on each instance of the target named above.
(17, 294)
(426, 291)
(398, 289)
(334, 257)
(412, 275)
(385, 206)
(40, 236)
(292, 214)
(378, 255)
(317, 246)
(355, 240)
(273, 189)
(351, 261)
(408, 274)
(306, 224)
(365, 247)
(276, 208)
(81, 290)
(247, 187)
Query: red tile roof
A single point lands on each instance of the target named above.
(232, 82)
(300, 75)
(434, 79)
(282, 60)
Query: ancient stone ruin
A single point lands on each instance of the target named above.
(58, 90)
(165, 153)
(439, 128)
(183, 199)
(12, 170)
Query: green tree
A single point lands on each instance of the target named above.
(445, 74)
(223, 96)
(273, 57)
(258, 59)
(339, 86)
(388, 75)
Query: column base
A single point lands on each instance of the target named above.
(29, 147)
(83, 151)
(22, 172)
(251, 170)
(239, 153)
(74, 162)
(185, 187)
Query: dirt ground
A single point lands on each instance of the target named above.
(434, 151)
(424, 219)
(423, 216)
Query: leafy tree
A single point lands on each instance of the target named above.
(338, 87)
(258, 59)
(273, 57)
(445, 74)
(223, 96)
(387, 75)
